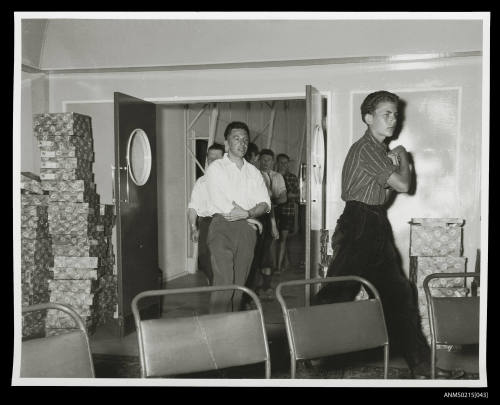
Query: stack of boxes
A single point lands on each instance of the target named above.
(36, 253)
(80, 227)
(436, 247)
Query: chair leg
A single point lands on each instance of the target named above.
(386, 361)
(293, 365)
(433, 359)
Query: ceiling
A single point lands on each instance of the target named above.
(51, 44)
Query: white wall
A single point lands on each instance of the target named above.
(34, 100)
(33, 39)
(341, 82)
(172, 199)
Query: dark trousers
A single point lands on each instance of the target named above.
(204, 262)
(365, 248)
(231, 247)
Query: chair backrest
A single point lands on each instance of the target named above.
(454, 320)
(200, 342)
(61, 356)
(328, 329)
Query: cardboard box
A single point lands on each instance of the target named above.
(436, 237)
(80, 250)
(63, 228)
(57, 331)
(34, 199)
(67, 124)
(70, 185)
(66, 143)
(65, 163)
(43, 258)
(421, 267)
(68, 153)
(67, 174)
(73, 286)
(57, 208)
(30, 183)
(31, 245)
(89, 196)
(36, 233)
(76, 262)
(73, 299)
(73, 240)
(68, 273)
(34, 223)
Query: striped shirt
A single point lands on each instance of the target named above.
(366, 170)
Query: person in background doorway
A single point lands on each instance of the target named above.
(277, 192)
(253, 279)
(363, 236)
(252, 155)
(236, 193)
(198, 214)
(285, 213)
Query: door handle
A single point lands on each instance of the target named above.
(113, 184)
(303, 184)
(113, 168)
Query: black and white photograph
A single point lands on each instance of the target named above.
(251, 199)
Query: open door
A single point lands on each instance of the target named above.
(315, 183)
(135, 196)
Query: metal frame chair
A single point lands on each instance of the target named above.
(328, 329)
(201, 342)
(59, 356)
(453, 320)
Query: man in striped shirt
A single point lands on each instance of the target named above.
(363, 242)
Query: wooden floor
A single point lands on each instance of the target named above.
(105, 342)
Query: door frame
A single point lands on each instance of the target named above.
(327, 94)
(239, 98)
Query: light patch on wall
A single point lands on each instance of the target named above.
(441, 112)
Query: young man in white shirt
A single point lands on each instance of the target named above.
(198, 215)
(236, 193)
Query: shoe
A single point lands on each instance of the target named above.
(249, 306)
(266, 294)
(423, 372)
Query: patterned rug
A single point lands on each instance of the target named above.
(111, 366)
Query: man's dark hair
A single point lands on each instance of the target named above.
(217, 146)
(252, 149)
(283, 155)
(372, 100)
(236, 125)
(268, 152)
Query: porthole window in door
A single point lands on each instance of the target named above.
(139, 157)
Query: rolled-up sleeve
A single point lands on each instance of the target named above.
(375, 165)
(260, 193)
(281, 186)
(194, 201)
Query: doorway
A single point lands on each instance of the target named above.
(278, 124)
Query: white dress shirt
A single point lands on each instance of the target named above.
(275, 183)
(199, 197)
(226, 183)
